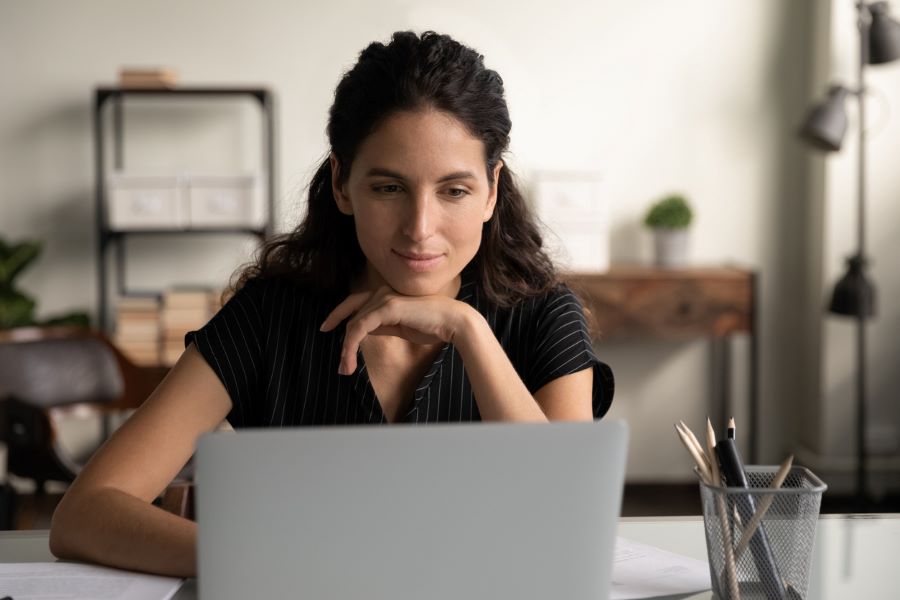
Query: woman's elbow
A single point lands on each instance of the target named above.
(60, 531)
(63, 525)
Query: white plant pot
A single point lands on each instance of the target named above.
(671, 246)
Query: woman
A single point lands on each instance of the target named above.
(415, 290)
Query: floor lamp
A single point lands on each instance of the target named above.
(824, 128)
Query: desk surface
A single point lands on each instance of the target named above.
(855, 555)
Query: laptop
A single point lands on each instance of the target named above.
(458, 511)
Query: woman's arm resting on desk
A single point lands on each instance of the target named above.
(500, 392)
(106, 515)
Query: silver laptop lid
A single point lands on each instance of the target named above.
(439, 512)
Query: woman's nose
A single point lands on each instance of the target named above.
(420, 218)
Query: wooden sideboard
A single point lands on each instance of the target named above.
(642, 302)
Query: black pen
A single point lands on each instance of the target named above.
(733, 471)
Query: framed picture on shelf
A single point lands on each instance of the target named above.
(574, 219)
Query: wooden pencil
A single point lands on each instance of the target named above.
(699, 447)
(699, 460)
(711, 450)
(763, 507)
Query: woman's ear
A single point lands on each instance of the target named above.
(492, 195)
(337, 187)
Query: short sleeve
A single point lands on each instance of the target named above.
(232, 344)
(562, 345)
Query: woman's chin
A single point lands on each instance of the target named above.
(423, 286)
(414, 289)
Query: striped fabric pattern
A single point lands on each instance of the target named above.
(280, 370)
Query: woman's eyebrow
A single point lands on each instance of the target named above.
(380, 172)
(457, 175)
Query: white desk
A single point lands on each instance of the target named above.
(854, 557)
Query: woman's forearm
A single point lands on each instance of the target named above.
(110, 527)
(499, 391)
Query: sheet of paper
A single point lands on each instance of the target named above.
(642, 571)
(73, 581)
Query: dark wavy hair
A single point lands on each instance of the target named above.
(412, 73)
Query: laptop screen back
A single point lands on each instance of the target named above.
(402, 513)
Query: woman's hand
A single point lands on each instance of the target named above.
(419, 319)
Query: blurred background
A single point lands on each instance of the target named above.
(643, 99)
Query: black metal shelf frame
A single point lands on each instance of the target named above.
(107, 237)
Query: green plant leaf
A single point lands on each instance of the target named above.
(78, 319)
(14, 259)
(16, 310)
(672, 212)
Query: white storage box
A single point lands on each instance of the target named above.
(223, 201)
(574, 220)
(146, 202)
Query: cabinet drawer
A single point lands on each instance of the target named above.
(661, 304)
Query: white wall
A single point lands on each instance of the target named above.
(657, 96)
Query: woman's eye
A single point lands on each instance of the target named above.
(390, 188)
(457, 192)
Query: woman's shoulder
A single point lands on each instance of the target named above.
(556, 299)
(267, 302)
(276, 290)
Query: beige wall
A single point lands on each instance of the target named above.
(654, 95)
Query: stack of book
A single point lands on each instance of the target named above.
(183, 310)
(137, 329)
(155, 77)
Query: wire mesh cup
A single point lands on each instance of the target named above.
(760, 540)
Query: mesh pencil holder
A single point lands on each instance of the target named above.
(759, 540)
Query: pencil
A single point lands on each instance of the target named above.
(764, 505)
(696, 443)
(698, 458)
(731, 428)
(711, 452)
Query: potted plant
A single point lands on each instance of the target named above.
(16, 307)
(669, 219)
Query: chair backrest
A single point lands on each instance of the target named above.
(56, 372)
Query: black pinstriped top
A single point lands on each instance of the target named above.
(280, 370)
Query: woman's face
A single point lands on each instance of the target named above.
(419, 194)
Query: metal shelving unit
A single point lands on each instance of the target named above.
(108, 237)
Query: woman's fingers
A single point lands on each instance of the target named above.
(350, 305)
(357, 329)
(419, 320)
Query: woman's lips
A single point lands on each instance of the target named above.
(419, 262)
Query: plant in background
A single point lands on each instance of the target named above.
(672, 212)
(669, 219)
(16, 307)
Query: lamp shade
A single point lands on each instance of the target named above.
(884, 35)
(853, 291)
(826, 124)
